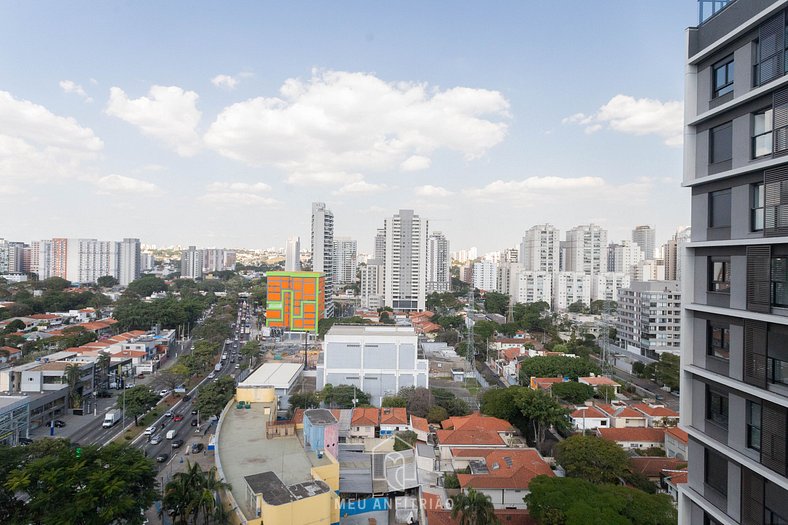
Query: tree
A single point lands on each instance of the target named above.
(606, 392)
(88, 485)
(73, 375)
(342, 396)
(600, 305)
(571, 501)
(496, 303)
(554, 366)
(212, 398)
(419, 400)
(304, 400)
(146, 286)
(591, 458)
(138, 400)
(572, 392)
(667, 370)
(172, 378)
(107, 281)
(499, 402)
(406, 440)
(53, 284)
(192, 494)
(473, 508)
(450, 481)
(437, 414)
(542, 411)
(638, 367)
(578, 307)
(394, 402)
(17, 325)
(103, 360)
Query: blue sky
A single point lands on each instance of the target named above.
(218, 124)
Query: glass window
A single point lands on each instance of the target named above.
(756, 207)
(717, 407)
(719, 341)
(779, 278)
(753, 425)
(777, 371)
(723, 77)
(720, 209)
(772, 518)
(721, 143)
(762, 133)
(716, 472)
(720, 275)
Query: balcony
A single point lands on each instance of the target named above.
(709, 8)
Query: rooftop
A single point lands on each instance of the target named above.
(648, 435)
(678, 434)
(371, 331)
(320, 416)
(276, 375)
(277, 493)
(510, 468)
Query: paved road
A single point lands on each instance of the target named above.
(669, 400)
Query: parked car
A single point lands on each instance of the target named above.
(187, 397)
(177, 417)
(194, 422)
(150, 431)
(194, 412)
(163, 393)
(197, 447)
(177, 443)
(161, 458)
(25, 441)
(103, 394)
(155, 440)
(211, 375)
(130, 385)
(59, 423)
(168, 413)
(140, 376)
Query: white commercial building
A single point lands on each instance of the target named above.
(438, 263)
(345, 253)
(323, 250)
(485, 276)
(89, 259)
(649, 318)
(293, 255)
(41, 258)
(571, 287)
(586, 249)
(539, 251)
(405, 277)
(380, 360)
(129, 261)
(606, 286)
(282, 377)
(371, 285)
(531, 287)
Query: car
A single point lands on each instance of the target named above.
(103, 394)
(25, 441)
(194, 411)
(130, 385)
(177, 417)
(59, 423)
(187, 397)
(176, 443)
(161, 458)
(237, 366)
(197, 447)
(140, 376)
(163, 393)
(211, 375)
(168, 413)
(150, 431)
(155, 440)
(659, 397)
(194, 422)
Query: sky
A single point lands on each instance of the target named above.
(219, 123)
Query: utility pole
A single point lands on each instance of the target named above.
(470, 347)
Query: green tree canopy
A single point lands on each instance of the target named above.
(394, 402)
(542, 412)
(555, 366)
(213, 397)
(191, 496)
(341, 396)
(304, 400)
(496, 303)
(591, 458)
(138, 400)
(107, 281)
(407, 440)
(500, 403)
(578, 307)
(146, 285)
(473, 508)
(419, 400)
(572, 392)
(599, 306)
(572, 501)
(437, 414)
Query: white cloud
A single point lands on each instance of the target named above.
(37, 145)
(234, 199)
(120, 184)
(642, 116)
(256, 187)
(224, 81)
(343, 123)
(332, 178)
(69, 86)
(432, 191)
(168, 114)
(517, 189)
(360, 187)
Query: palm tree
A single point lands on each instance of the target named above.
(102, 363)
(473, 508)
(73, 374)
(192, 493)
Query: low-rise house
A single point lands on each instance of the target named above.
(597, 381)
(634, 438)
(658, 415)
(676, 441)
(586, 417)
(393, 420)
(652, 466)
(671, 479)
(421, 427)
(364, 423)
(623, 416)
(9, 353)
(473, 431)
(504, 475)
(545, 383)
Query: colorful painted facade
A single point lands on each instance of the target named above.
(295, 300)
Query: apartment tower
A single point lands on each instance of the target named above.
(323, 250)
(405, 274)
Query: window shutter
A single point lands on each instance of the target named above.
(773, 443)
(776, 201)
(770, 47)
(759, 278)
(752, 496)
(780, 123)
(755, 353)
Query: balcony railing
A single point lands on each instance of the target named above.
(709, 8)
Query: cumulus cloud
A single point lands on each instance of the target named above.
(69, 86)
(432, 191)
(516, 189)
(256, 187)
(234, 199)
(168, 114)
(642, 116)
(120, 184)
(329, 178)
(224, 81)
(37, 145)
(360, 187)
(341, 123)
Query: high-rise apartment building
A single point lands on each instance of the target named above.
(734, 332)
(646, 237)
(293, 255)
(606, 286)
(438, 263)
(345, 262)
(672, 251)
(485, 276)
(130, 261)
(371, 285)
(569, 288)
(511, 255)
(586, 249)
(323, 250)
(539, 250)
(624, 257)
(89, 259)
(530, 287)
(191, 263)
(405, 274)
(59, 256)
(649, 318)
(213, 260)
(4, 256)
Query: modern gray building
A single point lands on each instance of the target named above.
(191, 263)
(734, 380)
(649, 318)
(645, 236)
(323, 250)
(438, 263)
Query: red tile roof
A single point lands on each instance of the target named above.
(393, 416)
(598, 381)
(365, 417)
(546, 383)
(591, 412)
(511, 354)
(476, 421)
(45, 317)
(651, 466)
(10, 349)
(510, 468)
(677, 478)
(678, 434)
(419, 423)
(469, 437)
(470, 452)
(655, 411)
(643, 435)
(620, 411)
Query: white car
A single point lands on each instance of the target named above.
(211, 375)
(155, 440)
(168, 413)
(164, 393)
(150, 431)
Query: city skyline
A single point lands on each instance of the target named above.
(136, 129)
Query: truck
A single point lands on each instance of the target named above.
(112, 417)
(171, 434)
(218, 367)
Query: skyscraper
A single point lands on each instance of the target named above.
(345, 252)
(734, 331)
(539, 251)
(438, 263)
(405, 275)
(624, 257)
(323, 250)
(586, 249)
(645, 237)
(130, 261)
(293, 255)
(191, 263)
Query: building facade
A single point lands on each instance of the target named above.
(734, 380)
(531, 287)
(485, 276)
(624, 257)
(606, 286)
(191, 263)
(539, 250)
(293, 255)
(586, 249)
(649, 317)
(345, 260)
(371, 285)
(130, 261)
(571, 287)
(646, 238)
(294, 300)
(405, 274)
(323, 250)
(438, 263)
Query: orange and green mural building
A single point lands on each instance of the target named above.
(295, 300)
